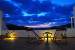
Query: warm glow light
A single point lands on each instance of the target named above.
(49, 39)
(45, 35)
(49, 34)
(9, 38)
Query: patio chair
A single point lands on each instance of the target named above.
(60, 37)
(33, 38)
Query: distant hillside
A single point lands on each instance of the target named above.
(15, 27)
(62, 26)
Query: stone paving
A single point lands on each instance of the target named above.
(20, 44)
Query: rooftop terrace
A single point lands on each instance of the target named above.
(20, 44)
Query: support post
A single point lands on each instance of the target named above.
(71, 23)
(1, 14)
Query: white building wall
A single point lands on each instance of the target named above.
(1, 14)
(74, 15)
(24, 33)
(4, 27)
(70, 32)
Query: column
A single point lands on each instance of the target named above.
(1, 14)
(74, 15)
(71, 22)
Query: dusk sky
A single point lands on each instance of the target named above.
(37, 13)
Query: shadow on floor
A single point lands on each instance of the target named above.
(47, 46)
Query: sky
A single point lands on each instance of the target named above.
(37, 13)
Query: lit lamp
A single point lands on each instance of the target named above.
(44, 34)
(47, 34)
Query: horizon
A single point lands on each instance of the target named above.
(39, 26)
(37, 13)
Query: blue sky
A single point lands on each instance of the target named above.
(37, 13)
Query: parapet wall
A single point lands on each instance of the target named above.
(24, 33)
(70, 32)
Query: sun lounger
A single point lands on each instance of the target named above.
(33, 37)
(60, 37)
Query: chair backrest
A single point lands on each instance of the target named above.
(58, 33)
(30, 33)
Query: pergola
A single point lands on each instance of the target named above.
(71, 22)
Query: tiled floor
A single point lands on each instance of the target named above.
(20, 44)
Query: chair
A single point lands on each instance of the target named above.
(33, 38)
(60, 37)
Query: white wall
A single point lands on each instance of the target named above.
(70, 32)
(4, 27)
(40, 32)
(74, 15)
(1, 21)
(24, 33)
(19, 33)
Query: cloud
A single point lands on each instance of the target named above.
(63, 2)
(35, 13)
(64, 10)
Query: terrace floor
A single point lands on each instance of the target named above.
(20, 44)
